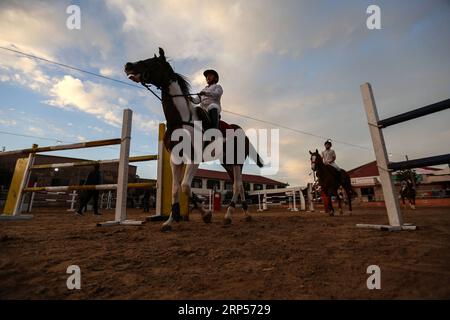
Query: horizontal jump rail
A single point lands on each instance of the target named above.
(92, 162)
(136, 185)
(413, 114)
(89, 144)
(419, 163)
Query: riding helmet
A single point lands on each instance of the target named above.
(213, 72)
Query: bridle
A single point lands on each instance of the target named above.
(313, 162)
(148, 87)
(171, 95)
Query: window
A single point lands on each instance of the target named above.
(228, 186)
(257, 186)
(369, 193)
(59, 182)
(213, 184)
(270, 186)
(197, 183)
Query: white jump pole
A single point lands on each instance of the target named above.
(210, 200)
(259, 202)
(264, 202)
(302, 200)
(294, 201)
(72, 201)
(122, 177)
(393, 210)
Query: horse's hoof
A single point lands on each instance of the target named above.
(207, 217)
(166, 228)
(248, 218)
(331, 213)
(227, 221)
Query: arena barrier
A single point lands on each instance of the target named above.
(384, 166)
(291, 193)
(24, 167)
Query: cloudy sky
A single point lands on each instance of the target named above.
(298, 64)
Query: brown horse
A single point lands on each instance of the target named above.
(407, 191)
(330, 180)
(180, 116)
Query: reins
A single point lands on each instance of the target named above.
(172, 96)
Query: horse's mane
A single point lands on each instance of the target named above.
(183, 83)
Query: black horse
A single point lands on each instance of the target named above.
(180, 114)
(330, 180)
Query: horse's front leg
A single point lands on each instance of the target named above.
(330, 204)
(412, 203)
(176, 183)
(341, 212)
(189, 174)
(349, 197)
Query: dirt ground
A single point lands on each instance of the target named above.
(279, 255)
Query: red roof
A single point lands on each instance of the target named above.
(366, 170)
(370, 170)
(222, 175)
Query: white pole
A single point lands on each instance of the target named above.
(122, 177)
(72, 201)
(293, 197)
(259, 202)
(265, 201)
(210, 199)
(30, 206)
(302, 200)
(379, 146)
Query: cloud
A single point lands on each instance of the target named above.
(8, 123)
(298, 64)
(37, 131)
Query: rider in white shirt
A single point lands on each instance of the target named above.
(329, 156)
(210, 96)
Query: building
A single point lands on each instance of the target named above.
(218, 181)
(204, 180)
(434, 182)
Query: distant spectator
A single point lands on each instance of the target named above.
(93, 178)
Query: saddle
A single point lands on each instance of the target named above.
(203, 116)
(206, 121)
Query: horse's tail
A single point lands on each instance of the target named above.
(254, 155)
(349, 187)
(250, 150)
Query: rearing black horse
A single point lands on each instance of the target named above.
(180, 114)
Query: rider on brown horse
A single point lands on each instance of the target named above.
(329, 157)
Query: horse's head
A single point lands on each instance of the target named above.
(316, 160)
(156, 71)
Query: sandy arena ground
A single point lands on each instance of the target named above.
(280, 255)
